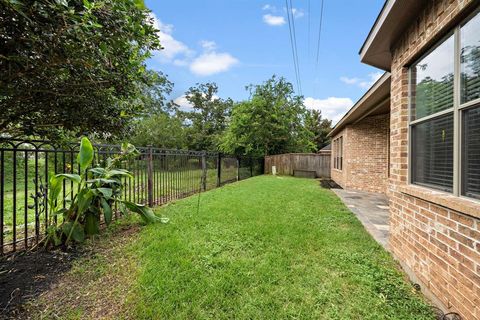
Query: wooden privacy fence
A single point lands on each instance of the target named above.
(300, 164)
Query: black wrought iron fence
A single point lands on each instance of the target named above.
(161, 175)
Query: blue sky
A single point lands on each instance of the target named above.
(238, 42)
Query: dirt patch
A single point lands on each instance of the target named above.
(329, 184)
(24, 276)
(32, 282)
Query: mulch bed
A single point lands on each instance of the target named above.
(329, 184)
(24, 276)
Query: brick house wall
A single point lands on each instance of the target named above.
(434, 235)
(365, 155)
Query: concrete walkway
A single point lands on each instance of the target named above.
(371, 209)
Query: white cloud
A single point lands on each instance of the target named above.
(364, 83)
(211, 63)
(348, 80)
(276, 17)
(181, 62)
(208, 45)
(273, 20)
(179, 54)
(333, 108)
(172, 47)
(185, 105)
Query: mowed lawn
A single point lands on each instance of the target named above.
(264, 248)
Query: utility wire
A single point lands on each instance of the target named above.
(296, 48)
(293, 43)
(319, 35)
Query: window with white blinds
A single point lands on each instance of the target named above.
(445, 113)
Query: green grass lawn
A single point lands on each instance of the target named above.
(264, 248)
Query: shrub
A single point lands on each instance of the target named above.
(98, 192)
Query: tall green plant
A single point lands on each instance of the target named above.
(98, 193)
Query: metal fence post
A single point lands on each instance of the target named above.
(204, 171)
(150, 176)
(251, 167)
(238, 169)
(219, 169)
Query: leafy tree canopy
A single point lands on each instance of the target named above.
(270, 122)
(319, 127)
(208, 119)
(161, 130)
(154, 95)
(72, 65)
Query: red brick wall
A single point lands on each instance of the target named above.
(434, 235)
(365, 163)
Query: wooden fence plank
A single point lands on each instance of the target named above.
(286, 164)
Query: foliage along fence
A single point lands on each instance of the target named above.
(300, 164)
(161, 175)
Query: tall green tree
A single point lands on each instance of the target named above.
(73, 65)
(270, 122)
(319, 127)
(154, 95)
(208, 119)
(161, 130)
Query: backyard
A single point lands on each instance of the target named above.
(264, 248)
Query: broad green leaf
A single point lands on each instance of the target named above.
(84, 199)
(119, 172)
(54, 189)
(70, 176)
(85, 156)
(107, 192)
(107, 211)
(92, 225)
(98, 170)
(122, 208)
(129, 150)
(145, 212)
(78, 234)
(103, 181)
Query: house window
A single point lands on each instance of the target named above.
(338, 153)
(445, 113)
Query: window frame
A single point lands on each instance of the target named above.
(337, 148)
(457, 109)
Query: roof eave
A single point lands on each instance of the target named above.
(394, 18)
(375, 95)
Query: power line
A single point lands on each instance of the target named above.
(293, 44)
(296, 48)
(319, 34)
